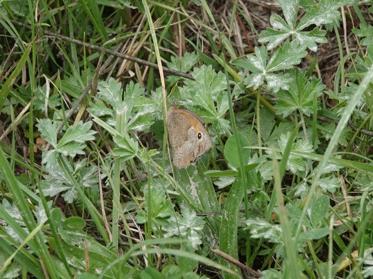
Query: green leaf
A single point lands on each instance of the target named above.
(364, 32)
(231, 152)
(157, 208)
(188, 225)
(56, 182)
(48, 131)
(319, 210)
(110, 92)
(74, 139)
(184, 63)
(150, 273)
(322, 12)
(74, 223)
(126, 147)
(288, 55)
(269, 71)
(295, 163)
(290, 10)
(262, 229)
(300, 96)
(134, 108)
(314, 234)
(330, 183)
(318, 14)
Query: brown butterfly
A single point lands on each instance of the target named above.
(187, 136)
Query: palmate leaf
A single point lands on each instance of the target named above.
(73, 141)
(297, 164)
(300, 96)
(268, 71)
(188, 225)
(112, 100)
(322, 12)
(317, 14)
(55, 181)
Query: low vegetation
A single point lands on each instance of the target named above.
(284, 89)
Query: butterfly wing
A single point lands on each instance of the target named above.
(186, 144)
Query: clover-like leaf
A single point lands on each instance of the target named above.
(300, 96)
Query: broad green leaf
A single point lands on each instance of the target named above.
(364, 32)
(157, 207)
(74, 223)
(55, 181)
(231, 152)
(110, 91)
(314, 234)
(296, 163)
(184, 63)
(80, 132)
(330, 183)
